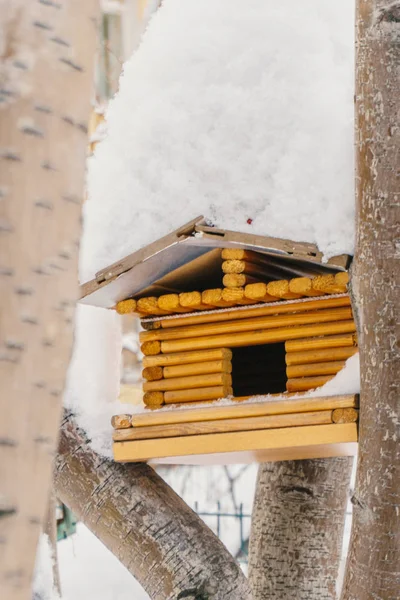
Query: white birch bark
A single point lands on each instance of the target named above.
(47, 51)
(373, 568)
(297, 529)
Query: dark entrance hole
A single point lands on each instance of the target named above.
(259, 370)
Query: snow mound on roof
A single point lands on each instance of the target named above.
(240, 111)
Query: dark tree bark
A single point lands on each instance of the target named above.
(159, 539)
(297, 529)
(373, 568)
(47, 54)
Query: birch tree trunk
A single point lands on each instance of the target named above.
(159, 539)
(47, 53)
(297, 529)
(373, 568)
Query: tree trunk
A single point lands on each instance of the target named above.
(373, 569)
(297, 529)
(47, 53)
(159, 539)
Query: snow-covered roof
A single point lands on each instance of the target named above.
(240, 111)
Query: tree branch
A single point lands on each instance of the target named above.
(159, 539)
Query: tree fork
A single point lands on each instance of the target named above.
(159, 539)
(297, 529)
(374, 556)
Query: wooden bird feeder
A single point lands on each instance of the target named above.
(237, 316)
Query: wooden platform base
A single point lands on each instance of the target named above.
(289, 443)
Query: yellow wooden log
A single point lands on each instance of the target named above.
(327, 284)
(153, 399)
(236, 296)
(318, 343)
(149, 306)
(258, 292)
(248, 409)
(255, 338)
(320, 417)
(209, 393)
(259, 271)
(184, 358)
(213, 366)
(324, 355)
(150, 348)
(280, 289)
(272, 322)
(170, 303)
(150, 325)
(342, 278)
(232, 280)
(306, 383)
(320, 368)
(192, 301)
(214, 298)
(126, 307)
(256, 311)
(302, 286)
(206, 380)
(344, 415)
(152, 373)
(121, 421)
(239, 254)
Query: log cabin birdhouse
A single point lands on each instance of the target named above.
(237, 317)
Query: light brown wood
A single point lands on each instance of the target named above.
(184, 358)
(152, 373)
(258, 292)
(188, 383)
(246, 409)
(320, 368)
(344, 415)
(121, 421)
(280, 289)
(327, 284)
(306, 383)
(205, 393)
(126, 307)
(256, 337)
(236, 296)
(273, 439)
(192, 301)
(317, 343)
(321, 417)
(170, 303)
(233, 313)
(214, 298)
(302, 286)
(324, 355)
(213, 366)
(272, 322)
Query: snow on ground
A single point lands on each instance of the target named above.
(240, 111)
(43, 579)
(89, 570)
